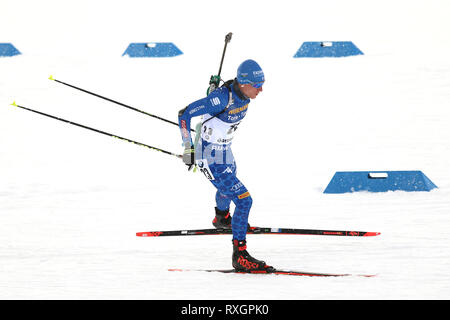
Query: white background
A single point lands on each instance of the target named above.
(72, 200)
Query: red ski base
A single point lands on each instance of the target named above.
(281, 272)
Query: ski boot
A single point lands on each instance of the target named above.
(222, 219)
(244, 262)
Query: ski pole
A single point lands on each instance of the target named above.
(214, 81)
(96, 130)
(114, 101)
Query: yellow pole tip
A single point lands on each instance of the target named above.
(51, 77)
(14, 104)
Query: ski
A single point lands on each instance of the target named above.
(257, 230)
(279, 272)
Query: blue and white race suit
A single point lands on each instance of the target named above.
(222, 111)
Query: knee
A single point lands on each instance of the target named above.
(244, 201)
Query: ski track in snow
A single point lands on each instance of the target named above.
(72, 200)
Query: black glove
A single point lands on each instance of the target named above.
(189, 157)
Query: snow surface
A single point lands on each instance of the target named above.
(72, 200)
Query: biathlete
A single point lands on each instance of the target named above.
(222, 111)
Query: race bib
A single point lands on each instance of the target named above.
(218, 131)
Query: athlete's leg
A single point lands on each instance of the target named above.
(222, 201)
(233, 189)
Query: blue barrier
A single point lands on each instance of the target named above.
(327, 49)
(8, 50)
(379, 181)
(152, 49)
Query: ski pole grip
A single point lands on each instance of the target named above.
(228, 37)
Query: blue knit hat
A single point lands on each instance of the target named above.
(249, 72)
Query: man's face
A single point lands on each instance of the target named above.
(250, 91)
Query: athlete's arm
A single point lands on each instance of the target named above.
(214, 103)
